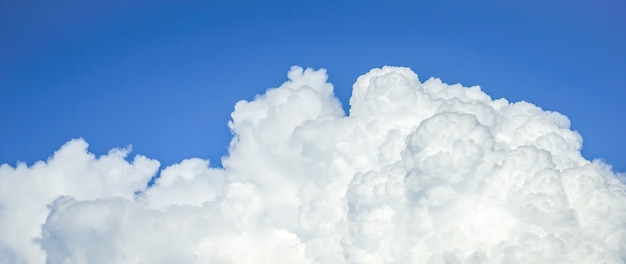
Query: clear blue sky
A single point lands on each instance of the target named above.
(165, 75)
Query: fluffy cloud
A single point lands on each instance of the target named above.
(416, 172)
(26, 192)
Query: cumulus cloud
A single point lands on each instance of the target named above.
(416, 172)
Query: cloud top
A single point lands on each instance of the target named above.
(416, 172)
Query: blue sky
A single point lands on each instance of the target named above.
(165, 75)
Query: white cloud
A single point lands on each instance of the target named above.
(26, 191)
(417, 172)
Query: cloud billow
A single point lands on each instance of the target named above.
(416, 172)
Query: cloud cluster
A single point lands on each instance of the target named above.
(417, 172)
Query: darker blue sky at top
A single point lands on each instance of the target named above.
(165, 75)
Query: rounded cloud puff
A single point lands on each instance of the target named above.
(417, 172)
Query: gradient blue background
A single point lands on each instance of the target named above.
(165, 75)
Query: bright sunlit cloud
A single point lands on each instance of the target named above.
(416, 172)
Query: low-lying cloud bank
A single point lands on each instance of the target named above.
(415, 173)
